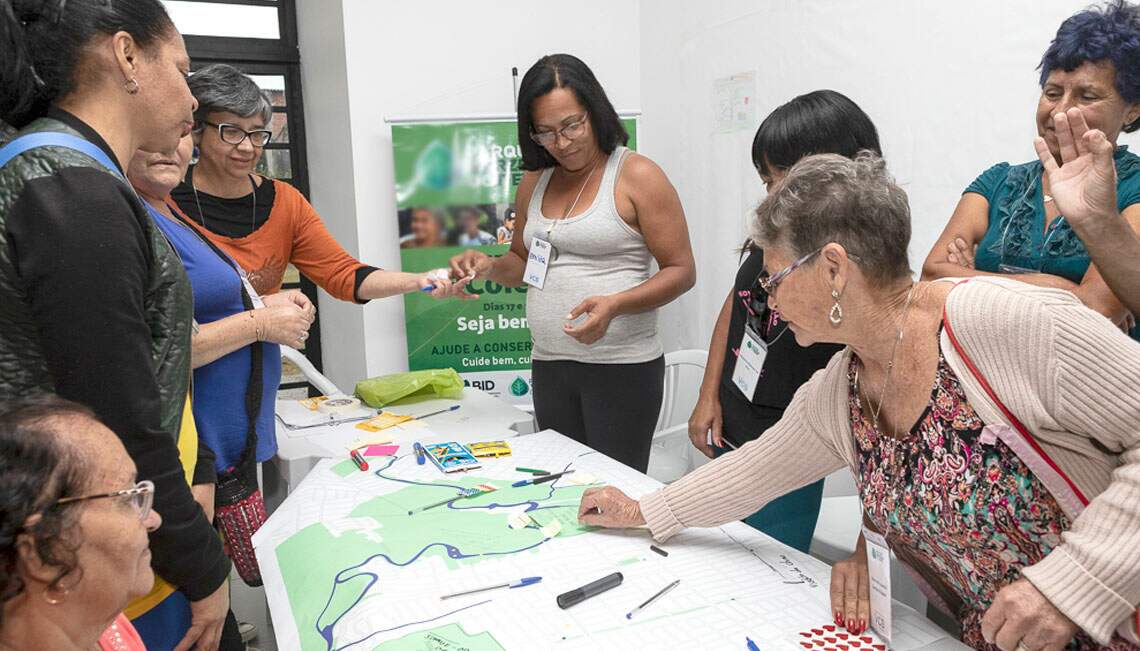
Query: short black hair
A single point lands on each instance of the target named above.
(1108, 33)
(566, 71)
(820, 122)
(43, 43)
(37, 469)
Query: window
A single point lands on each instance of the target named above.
(260, 38)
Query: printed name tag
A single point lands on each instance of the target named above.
(749, 362)
(537, 262)
(879, 571)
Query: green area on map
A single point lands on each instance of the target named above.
(311, 559)
(445, 638)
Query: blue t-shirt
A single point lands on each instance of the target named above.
(219, 387)
(1016, 235)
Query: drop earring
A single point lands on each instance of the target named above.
(836, 313)
(194, 155)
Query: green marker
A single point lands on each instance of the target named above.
(533, 471)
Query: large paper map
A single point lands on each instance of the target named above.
(347, 567)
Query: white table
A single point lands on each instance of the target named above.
(344, 568)
(480, 416)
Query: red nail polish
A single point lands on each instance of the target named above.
(851, 625)
(862, 625)
(838, 618)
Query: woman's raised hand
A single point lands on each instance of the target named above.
(1083, 185)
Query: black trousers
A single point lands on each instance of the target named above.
(612, 408)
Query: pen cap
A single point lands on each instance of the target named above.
(526, 581)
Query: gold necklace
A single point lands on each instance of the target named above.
(875, 411)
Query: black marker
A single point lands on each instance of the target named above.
(577, 596)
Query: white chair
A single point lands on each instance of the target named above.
(670, 457)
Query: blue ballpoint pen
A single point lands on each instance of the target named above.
(420, 454)
(751, 645)
(516, 584)
(539, 480)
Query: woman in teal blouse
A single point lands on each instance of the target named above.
(1006, 222)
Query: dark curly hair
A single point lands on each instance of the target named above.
(36, 471)
(1110, 32)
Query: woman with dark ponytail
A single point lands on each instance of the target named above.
(96, 305)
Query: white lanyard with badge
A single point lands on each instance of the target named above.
(542, 252)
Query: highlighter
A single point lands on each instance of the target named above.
(578, 595)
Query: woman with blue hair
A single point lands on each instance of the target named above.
(1007, 222)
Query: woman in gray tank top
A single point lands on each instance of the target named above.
(593, 216)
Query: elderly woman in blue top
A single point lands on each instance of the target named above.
(1006, 221)
(235, 354)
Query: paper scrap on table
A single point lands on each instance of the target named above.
(581, 479)
(551, 529)
(383, 420)
(381, 450)
(518, 520)
(365, 441)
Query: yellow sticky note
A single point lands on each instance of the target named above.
(383, 420)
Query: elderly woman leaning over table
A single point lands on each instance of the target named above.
(1030, 543)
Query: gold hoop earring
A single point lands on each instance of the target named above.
(53, 600)
(836, 313)
(131, 86)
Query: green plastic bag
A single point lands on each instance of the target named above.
(386, 389)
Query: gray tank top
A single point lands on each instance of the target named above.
(597, 253)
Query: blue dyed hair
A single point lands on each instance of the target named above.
(1112, 33)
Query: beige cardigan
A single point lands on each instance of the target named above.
(1068, 374)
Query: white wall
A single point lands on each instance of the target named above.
(952, 88)
(419, 58)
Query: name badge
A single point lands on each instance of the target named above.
(537, 262)
(749, 362)
(879, 572)
(254, 297)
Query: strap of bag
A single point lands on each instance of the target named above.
(1017, 425)
(256, 356)
(1013, 420)
(57, 139)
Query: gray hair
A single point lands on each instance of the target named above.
(222, 87)
(853, 202)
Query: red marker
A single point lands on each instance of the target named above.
(358, 459)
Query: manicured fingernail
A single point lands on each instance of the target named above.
(862, 625)
(851, 625)
(838, 618)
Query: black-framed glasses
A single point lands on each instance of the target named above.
(570, 132)
(232, 134)
(141, 497)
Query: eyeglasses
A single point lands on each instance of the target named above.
(770, 283)
(141, 497)
(232, 134)
(570, 132)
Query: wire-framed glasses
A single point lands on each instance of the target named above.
(570, 132)
(141, 497)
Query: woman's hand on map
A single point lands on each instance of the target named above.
(609, 507)
(851, 590)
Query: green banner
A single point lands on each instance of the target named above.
(455, 189)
